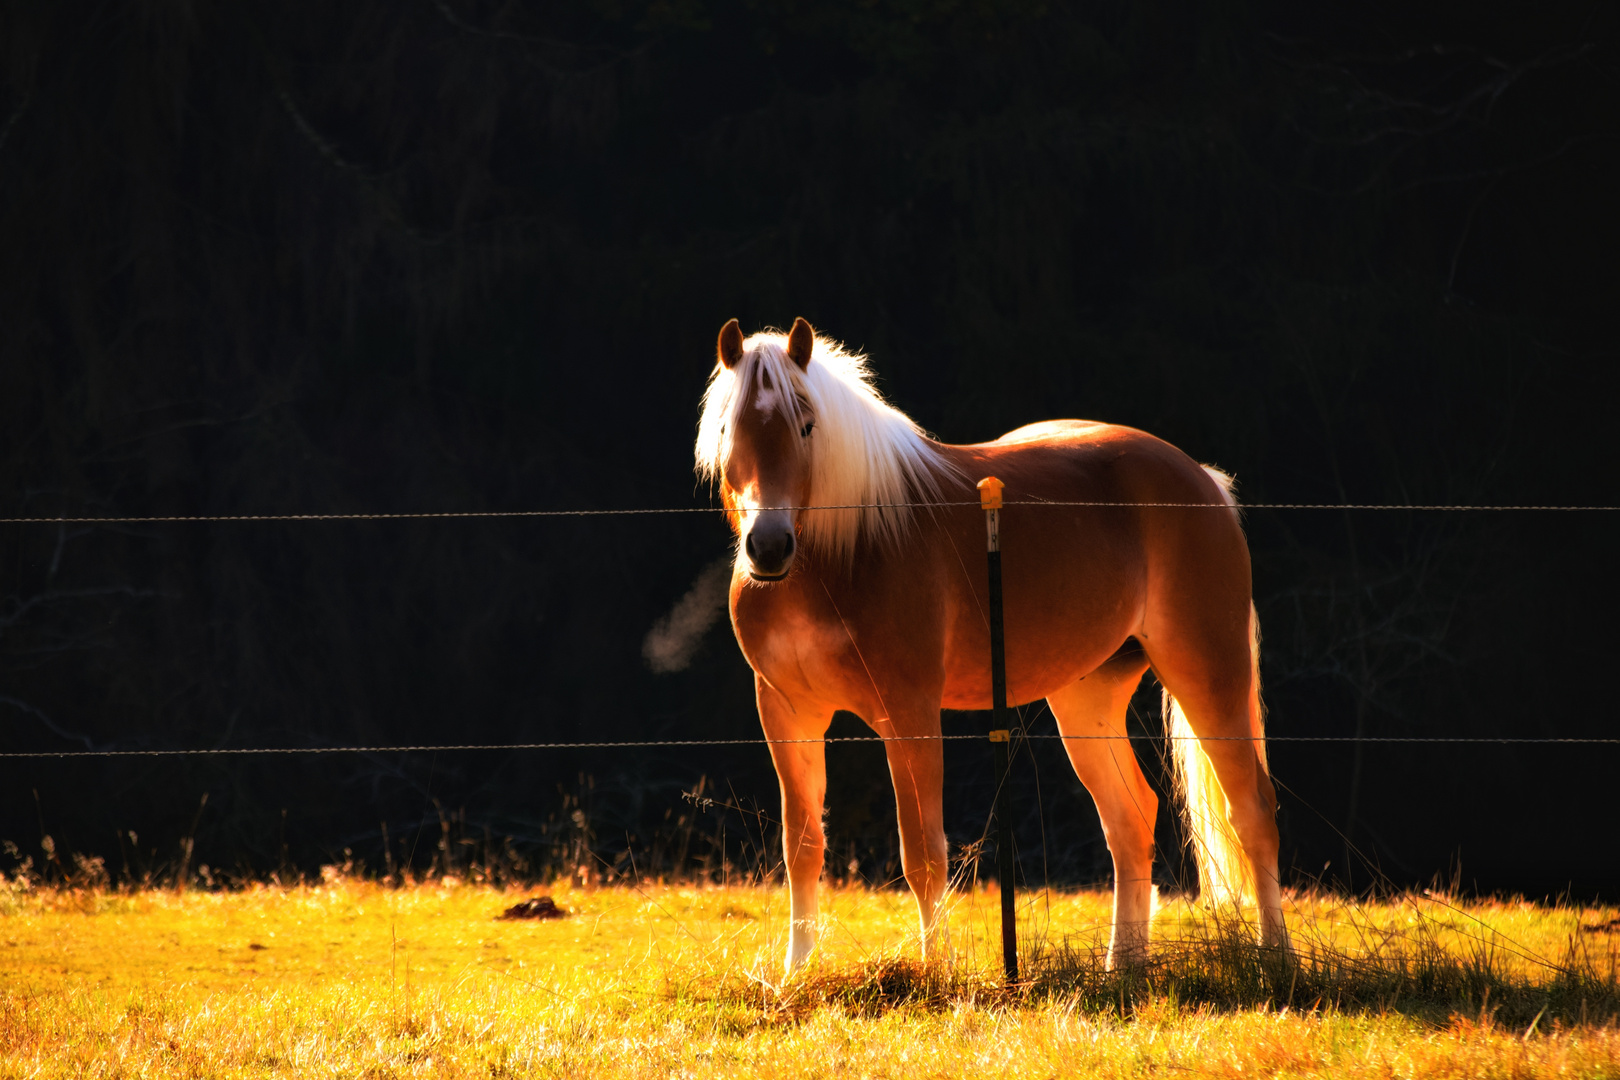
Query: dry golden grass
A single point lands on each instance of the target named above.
(357, 980)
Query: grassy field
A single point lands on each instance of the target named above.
(354, 979)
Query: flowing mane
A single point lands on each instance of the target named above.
(863, 450)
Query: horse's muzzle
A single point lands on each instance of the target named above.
(769, 546)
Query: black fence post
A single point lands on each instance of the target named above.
(990, 499)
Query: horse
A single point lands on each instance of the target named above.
(858, 585)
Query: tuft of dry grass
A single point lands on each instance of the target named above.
(1428, 957)
(350, 978)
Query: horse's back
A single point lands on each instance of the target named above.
(1063, 460)
(1052, 431)
(1144, 491)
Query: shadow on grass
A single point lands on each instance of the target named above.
(1216, 963)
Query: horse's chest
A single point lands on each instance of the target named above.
(797, 653)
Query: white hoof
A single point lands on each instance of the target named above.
(801, 942)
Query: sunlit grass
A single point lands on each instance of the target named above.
(354, 979)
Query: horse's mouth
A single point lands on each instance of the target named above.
(757, 576)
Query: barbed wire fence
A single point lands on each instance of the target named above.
(453, 515)
(674, 744)
(450, 515)
(1021, 734)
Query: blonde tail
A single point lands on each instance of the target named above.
(1225, 874)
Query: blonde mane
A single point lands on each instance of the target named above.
(863, 451)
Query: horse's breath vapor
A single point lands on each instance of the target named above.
(674, 639)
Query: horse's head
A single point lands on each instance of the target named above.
(765, 470)
(790, 420)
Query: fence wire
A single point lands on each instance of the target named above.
(447, 515)
(668, 744)
(451, 515)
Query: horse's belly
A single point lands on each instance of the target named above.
(1034, 676)
(1056, 631)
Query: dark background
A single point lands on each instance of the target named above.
(467, 255)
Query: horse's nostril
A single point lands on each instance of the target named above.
(787, 546)
(748, 546)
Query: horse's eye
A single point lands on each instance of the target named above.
(809, 425)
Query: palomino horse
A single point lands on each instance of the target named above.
(866, 604)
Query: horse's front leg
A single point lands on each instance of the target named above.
(801, 770)
(917, 766)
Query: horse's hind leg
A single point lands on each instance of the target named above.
(1251, 807)
(1091, 715)
(1210, 676)
(801, 770)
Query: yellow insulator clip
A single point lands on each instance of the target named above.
(990, 493)
(1001, 736)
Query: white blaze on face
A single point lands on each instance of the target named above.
(748, 507)
(757, 516)
(765, 393)
(753, 511)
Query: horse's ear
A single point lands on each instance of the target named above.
(730, 348)
(801, 340)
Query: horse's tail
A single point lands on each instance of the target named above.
(1225, 873)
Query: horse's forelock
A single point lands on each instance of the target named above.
(769, 382)
(764, 367)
